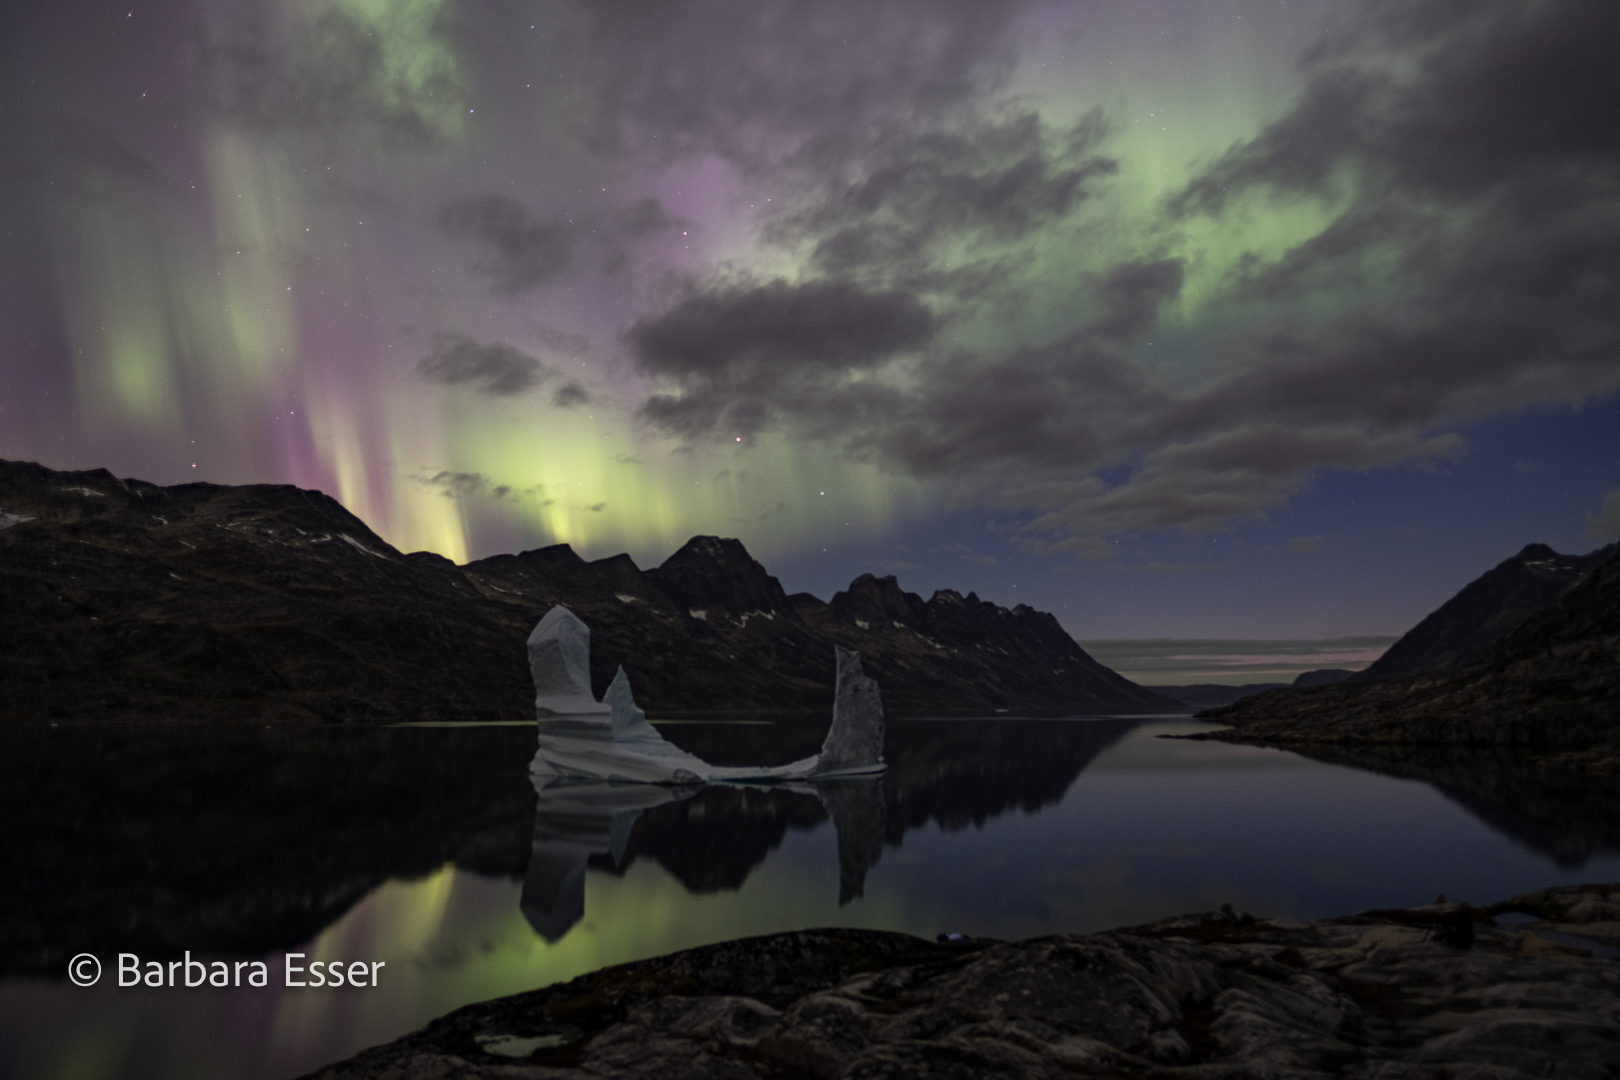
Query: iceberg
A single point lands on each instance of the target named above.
(560, 664)
(611, 740)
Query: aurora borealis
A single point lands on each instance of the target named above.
(1217, 319)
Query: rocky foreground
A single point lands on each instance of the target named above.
(1435, 992)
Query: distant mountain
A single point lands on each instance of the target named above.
(123, 600)
(1550, 688)
(1486, 610)
(1212, 695)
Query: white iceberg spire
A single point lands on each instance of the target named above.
(854, 744)
(560, 662)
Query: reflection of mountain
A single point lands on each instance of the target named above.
(1566, 816)
(241, 841)
(238, 841)
(958, 773)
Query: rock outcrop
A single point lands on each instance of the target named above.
(268, 603)
(1551, 688)
(1419, 994)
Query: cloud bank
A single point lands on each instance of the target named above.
(1466, 174)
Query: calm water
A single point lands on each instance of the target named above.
(429, 850)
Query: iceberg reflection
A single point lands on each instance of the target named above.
(575, 819)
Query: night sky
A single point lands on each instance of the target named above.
(1184, 320)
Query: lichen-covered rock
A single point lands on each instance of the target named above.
(1202, 996)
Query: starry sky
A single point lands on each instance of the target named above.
(1231, 319)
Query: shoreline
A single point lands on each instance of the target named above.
(1215, 994)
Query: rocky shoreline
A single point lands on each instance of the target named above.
(1527, 987)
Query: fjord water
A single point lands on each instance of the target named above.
(428, 849)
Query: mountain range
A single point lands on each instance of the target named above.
(121, 600)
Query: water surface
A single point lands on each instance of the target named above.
(422, 848)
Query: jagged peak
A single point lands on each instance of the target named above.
(886, 588)
(718, 572)
(552, 553)
(621, 561)
(718, 548)
(888, 583)
(1537, 552)
(871, 597)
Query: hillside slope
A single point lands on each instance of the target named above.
(1486, 610)
(1551, 687)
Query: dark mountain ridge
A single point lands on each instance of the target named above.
(1486, 610)
(125, 601)
(1211, 695)
(1550, 688)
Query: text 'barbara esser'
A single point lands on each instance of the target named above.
(189, 972)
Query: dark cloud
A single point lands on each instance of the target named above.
(985, 183)
(392, 70)
(458, 484)
(795, 354)
(561, 341)
(1470, 264)
(1520, 96)
(520, 252)
(570, 394)
(879, 132)
(453, 485)
(643, 219)
(758, 81)
(1130, 294)
(496, 369)
(741, 357)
